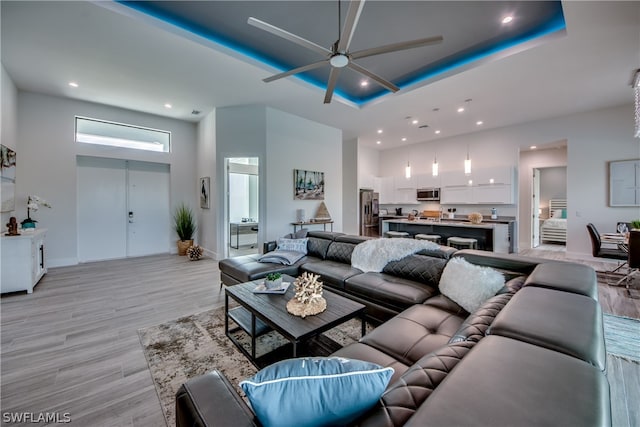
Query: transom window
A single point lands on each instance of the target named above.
(102, 132)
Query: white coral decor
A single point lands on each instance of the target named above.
(308, 298)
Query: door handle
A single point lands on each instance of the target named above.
(130, 217)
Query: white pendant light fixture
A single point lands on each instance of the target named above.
(434, 166)
(407, 171)
(467, 164)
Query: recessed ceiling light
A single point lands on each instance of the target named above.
(437, 132)
(167, 105)
(404, 139)
(379, 130)
(414, 121)
(460, 110)
(364, 83)
(73, 84)
(378, 142)
(533, 147)
(507, 19)
(479, 122)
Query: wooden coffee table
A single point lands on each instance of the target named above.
(261, 313)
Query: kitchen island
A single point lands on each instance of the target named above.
(496, 236)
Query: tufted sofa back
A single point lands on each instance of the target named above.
(419, 268)
(342, 247)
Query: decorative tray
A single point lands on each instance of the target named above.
(262, 289)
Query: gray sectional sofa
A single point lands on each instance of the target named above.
(533, 354)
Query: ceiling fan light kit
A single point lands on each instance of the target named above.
(339, 56)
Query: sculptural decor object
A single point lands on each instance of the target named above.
(308, 299)
(12, 227)
(475, 217)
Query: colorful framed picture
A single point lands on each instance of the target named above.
(308, 185)
(205, 192)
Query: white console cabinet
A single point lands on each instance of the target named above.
(23, 261)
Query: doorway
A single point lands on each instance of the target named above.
(243, 205)
(123, 208)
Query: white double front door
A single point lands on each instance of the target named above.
(123, 208)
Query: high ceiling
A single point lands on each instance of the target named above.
(123, 56)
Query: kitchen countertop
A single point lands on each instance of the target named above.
(449, 223)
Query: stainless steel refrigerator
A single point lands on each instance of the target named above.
(369, 225)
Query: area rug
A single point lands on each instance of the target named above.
(622, 337)
(194, 345)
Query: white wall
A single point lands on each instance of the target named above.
(553, 184)
(8, 122)
(297, 143)
(47, 162)
(282, 142)
(350, 187)
(240, 132)
(206, 166)
(593, 139)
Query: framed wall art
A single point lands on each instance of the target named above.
(205, 192)
(308, 185)
(8, 178)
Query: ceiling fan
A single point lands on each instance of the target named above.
(339, 55)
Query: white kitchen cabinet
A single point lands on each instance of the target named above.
(493, 194)
(427, 181)
(462, 194)
(455, 178)
(497, 175)
(404, 183)
(501, 239)
(23, 261)
(387, 190)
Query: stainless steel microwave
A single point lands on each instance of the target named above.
(428, 194)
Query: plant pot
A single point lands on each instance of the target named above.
(183, 245)
(273, 284)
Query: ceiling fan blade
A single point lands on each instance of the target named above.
(350, 22)
(385, 83)
(395, 47)
(302, 69)
(331, 85)
(288, 36)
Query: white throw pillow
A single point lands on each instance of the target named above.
(469, 285)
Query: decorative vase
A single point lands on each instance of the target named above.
(28, 224)
(183, 245)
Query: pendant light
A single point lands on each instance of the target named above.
(434, 166)
(407, 171)
(467, 164)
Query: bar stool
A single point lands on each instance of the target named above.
(430, 237)
(396, 234)
(462, 243)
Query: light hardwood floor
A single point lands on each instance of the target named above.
(72, 345)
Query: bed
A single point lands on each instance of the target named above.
(554, 229)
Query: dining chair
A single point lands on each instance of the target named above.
(599, 252)
(633, 258)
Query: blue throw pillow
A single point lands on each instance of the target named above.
(295, 245)
(564, 213)
(315, 391)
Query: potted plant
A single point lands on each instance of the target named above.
(185, 227)
(273, 281)
(635, 224)
(33, 204)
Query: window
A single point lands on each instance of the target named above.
(101, 132)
